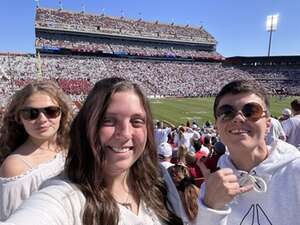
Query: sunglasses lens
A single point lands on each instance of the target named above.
(30, 113)
(252, 111)
(226, 112)
(33, 113)
(52, 111)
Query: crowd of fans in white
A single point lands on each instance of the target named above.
(158, 78)
(93, 45)
(76, 74)
(286, 78)
(64, 20)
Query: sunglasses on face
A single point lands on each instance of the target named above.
(251, 111)
(30, 113)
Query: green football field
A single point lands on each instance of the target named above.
(179, 110)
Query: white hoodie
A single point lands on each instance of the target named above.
(277, 202)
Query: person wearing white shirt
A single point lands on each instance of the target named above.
(112, 174)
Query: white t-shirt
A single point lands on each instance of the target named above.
(276, 132)
(291, 128)
(161, 135)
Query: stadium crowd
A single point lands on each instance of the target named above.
(158, 78)
(88, 44)
(65, 20)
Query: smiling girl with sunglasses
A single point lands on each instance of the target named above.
(34, 137)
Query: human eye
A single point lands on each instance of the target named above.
(108, 121)
(137, 121)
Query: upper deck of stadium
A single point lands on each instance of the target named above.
(79, 22)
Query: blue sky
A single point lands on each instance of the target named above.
(237, 25)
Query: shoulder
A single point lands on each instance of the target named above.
(61, 185)
(12, 166)
(63, 191)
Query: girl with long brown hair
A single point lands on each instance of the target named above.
(112, 174)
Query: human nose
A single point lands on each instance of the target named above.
(42, 117)
(239, 116)
(125, 130)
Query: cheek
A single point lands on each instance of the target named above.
(141, 137)
(105, 134)
(27, 125)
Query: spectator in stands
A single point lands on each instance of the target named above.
(165, 153)
(34, 139)
(199, 149)
(187, 189)
(275, 131)
(245, 190)
(291, 126)
(112, 171)
(286, 114)
(161, 132)
(183, 137)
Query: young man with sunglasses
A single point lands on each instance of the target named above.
(256, 183)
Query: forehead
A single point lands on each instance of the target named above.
(125, 102)
(40, 99)
(240, 99)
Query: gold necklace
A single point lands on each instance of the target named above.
(127, 204)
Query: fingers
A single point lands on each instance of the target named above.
(246, 188)
(221, 186)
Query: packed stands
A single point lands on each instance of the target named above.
(88, 23)
(76, 74)
(77, 49)
(280, 74)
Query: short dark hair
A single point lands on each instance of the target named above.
(242, 86)
(295, 105)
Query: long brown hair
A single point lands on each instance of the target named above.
(13, 133)
(188, 191)
(86, 158)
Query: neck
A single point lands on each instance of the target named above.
(122, 192)
(246, 162)
(43, 145)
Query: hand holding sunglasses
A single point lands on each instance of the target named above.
(251, 111)
(30, 113)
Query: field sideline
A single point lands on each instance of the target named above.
(179, 110)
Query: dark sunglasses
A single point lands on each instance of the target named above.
(30, 113)
(251, 111)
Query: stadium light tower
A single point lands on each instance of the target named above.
(271, 25)
(60, 5)
(37, 2)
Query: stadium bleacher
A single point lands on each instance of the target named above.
(77, 49)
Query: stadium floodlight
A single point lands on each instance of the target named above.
(60, 5)
(271, 25)
(83, 8)
(37, 3)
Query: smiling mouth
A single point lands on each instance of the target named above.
(121, 150)
(239, 131)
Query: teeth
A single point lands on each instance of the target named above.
(115, 149)
(238, 131)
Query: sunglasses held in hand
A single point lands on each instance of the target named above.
(30, 113)
(251, 111)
